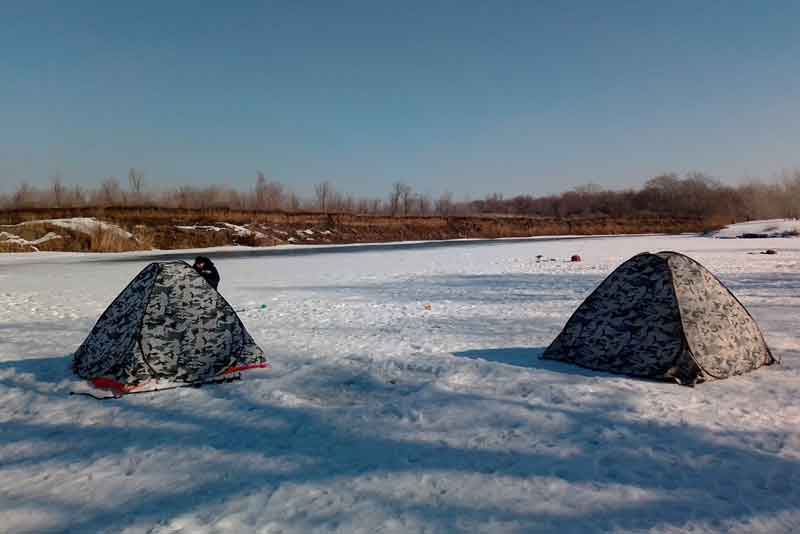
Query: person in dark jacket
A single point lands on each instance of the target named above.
(207, 270)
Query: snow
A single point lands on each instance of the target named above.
(765, 228)
(6, 237)
(240, 231)
(405, 395)
(243, 231)
(201, 227)
(84, 225)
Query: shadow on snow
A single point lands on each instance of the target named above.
(358, 427)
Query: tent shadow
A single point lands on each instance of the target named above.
(530, 358)
(251, 447)
(315, 450)
(49, 369)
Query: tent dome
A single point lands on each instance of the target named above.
(168, 323)
(662, 316)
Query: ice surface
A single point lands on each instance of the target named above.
(406, 395)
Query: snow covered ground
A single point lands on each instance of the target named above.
(766, 228)
(406, 395)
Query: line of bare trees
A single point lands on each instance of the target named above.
(265, 195)
(694, 194)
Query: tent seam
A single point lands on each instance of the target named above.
(574, 313)
(685, 346)
(153, 373)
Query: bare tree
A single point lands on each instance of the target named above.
(77, 196)
(23, 197)
(336, 201)
(269, 195)
(660, 192)
(184, 196)
(367, 206)
(394, 198)
(589, 189)
(362, 205)
(136, 185)
(58, 190)
(444, 204)
(399, 197)
(346, 203)
(790, 201)
(261, 187)
(694, 194)
(273, 196)
(136, 180)
(293, 201)
(111, 192)
(423, 204)
(324, 192)
(407, 198)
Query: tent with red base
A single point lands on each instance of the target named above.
(167, 324)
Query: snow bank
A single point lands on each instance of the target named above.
(762, 229)
(201, 227)
(11, 239)
(243, 231)
(239, 231)
(78, 233)
(85, 225)
(81, 225)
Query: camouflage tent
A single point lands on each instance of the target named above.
(662, 316)
(169, 323)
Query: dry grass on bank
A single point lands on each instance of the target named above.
(187, 228)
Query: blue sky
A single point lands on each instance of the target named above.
(471, 97)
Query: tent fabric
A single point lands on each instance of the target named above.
(662, 316)
(724, 338)
(168, 323)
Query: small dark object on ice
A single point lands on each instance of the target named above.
(770, 251)
(575, 257)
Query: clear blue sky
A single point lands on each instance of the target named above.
(472, 97)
